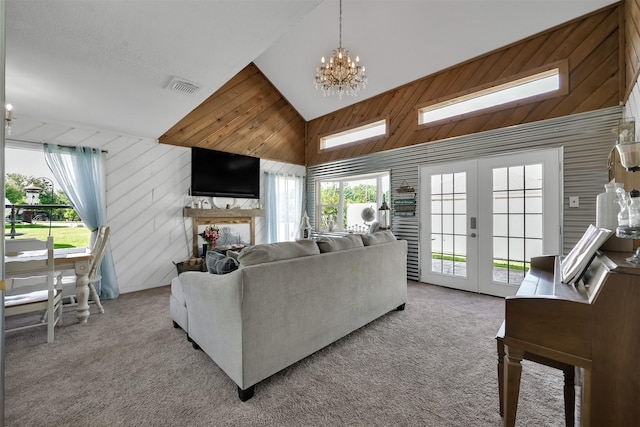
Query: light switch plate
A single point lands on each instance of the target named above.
(574, 201)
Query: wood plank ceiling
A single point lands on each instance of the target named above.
(249, 116)
(245, 116)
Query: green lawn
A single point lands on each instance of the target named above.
(64, 236)
(514, 265)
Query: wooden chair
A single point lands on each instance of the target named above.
(97, 253)
(30, 285)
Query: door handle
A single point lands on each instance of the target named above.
(472, 235)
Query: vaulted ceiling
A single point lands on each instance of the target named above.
(105, 64)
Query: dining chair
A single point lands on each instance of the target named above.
(30, 285)
(97, 253)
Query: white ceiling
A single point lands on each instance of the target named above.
(105, 64)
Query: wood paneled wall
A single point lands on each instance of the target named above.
(249, 116)
(245, 116)
(590, 44)
(632, 44)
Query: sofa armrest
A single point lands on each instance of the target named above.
(214, 316)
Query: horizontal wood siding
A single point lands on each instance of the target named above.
(245, 116)
(590, 44)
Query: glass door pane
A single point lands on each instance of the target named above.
(448, 246)
(520, 212)
(517, 220)
(448, 224)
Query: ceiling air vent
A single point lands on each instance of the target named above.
(183, 86)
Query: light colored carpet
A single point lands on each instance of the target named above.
(433, 364)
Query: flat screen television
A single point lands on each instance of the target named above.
(220, 174)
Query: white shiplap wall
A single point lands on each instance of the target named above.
(147, 187)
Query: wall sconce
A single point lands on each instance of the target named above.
(384, 215)
(8, 117)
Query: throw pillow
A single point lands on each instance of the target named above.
(378, 238)
(332, 244)
(259, 254)
(217, 263)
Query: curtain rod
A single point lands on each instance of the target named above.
(41, 144)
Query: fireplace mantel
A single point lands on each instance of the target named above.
(222, 216)
(224, 213)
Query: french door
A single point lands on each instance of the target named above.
(483, 220)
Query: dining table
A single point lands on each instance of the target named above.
(75, 259)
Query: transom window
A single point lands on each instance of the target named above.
(531, 87)
(358, 134)
(340, 202)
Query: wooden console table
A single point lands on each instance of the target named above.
(222, 216)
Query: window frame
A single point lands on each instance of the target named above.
(350, 130)
(340, 226)
(563, 89)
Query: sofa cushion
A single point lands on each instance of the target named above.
(259, 254)
(218, 263)
(378, 238)
(332, 244)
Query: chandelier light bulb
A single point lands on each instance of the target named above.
(9, 107)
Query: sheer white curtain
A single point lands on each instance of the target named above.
(81, 174)
(283, 206)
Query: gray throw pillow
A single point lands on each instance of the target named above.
(260, 254)
(378, 238)
(332, 244)
(218, 263)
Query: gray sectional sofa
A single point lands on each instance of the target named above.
(288, 300)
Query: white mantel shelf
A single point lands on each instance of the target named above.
(222, 213)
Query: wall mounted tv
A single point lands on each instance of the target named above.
(220, 174)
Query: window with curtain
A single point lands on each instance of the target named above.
(80, 171)
(283, 206)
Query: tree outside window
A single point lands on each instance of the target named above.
(15, 184)
(340, 202)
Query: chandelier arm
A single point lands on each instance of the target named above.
(340, 37)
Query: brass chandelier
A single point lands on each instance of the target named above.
(340, 75)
